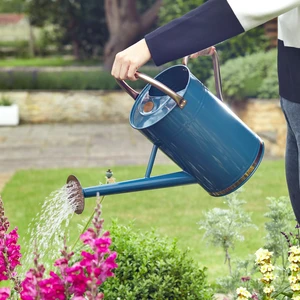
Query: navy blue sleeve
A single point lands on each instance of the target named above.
(209, 24)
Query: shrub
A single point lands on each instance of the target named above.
(5, 101)
(14, 48)
(39, 79)
(152, 268)
(251, 76)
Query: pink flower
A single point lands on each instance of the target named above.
(52, 288)
(245, 278)
(102, 244)
(88, 236)
(4, 293)
(107, 267)
(30, 285)
(77, 279)
(13, 250)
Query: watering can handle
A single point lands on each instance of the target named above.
(181, 102)
(217, 73)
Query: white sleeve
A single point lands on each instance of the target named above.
(253, 13)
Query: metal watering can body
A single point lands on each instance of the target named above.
(195, 129)
(205, 138)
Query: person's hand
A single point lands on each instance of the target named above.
(128, 61)
(206, 52)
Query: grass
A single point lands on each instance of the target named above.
(173, 211)
(46, 62)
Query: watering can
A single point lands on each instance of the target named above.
(194, 128)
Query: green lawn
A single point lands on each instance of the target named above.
(173, 211)
(46, 62)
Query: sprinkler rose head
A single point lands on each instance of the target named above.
(75, 194)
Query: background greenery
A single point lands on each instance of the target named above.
(174, 212)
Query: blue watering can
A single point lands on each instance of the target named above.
(194, 128)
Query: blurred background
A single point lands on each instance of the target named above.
(55, 61)
(55, 58)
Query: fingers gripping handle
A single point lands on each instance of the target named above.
(181, 102)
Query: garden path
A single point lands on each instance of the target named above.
(39, 146)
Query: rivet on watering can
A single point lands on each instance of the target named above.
(182, 103)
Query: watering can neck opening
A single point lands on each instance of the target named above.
(177, 78)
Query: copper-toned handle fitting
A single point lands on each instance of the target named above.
(181, 102)
(130, 91)
(217, 73)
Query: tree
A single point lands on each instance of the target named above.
(80, 23)
(126, 24)
(12, 6)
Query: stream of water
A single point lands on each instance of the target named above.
(49, 228)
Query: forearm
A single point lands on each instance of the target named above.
(211, 23)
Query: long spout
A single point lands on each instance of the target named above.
(135, 185)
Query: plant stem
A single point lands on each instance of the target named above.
(86, 225)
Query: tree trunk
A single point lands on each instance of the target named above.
(31, 40)
(270, 29)
(125, 25)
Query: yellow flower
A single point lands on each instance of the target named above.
(294, 258)
(263, 256)
(297, 297)
(294, 267)
(269, 289)
(266, 268)
(242, 292)
(268, 277)
(293, 279)
(295, 287)
(295, 249)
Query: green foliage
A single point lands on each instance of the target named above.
(241, 269)
(51, 61)
(14, 48)
(172, 9)
(12, 6)
(173, 211)
(249, 77)
(5, 101)
(63, 80)
(80, 23)
(223, 226)
(280, 214)
(246, 273)
(150, 267)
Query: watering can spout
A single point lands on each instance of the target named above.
(78, 194)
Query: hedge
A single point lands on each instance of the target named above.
(64, 80)
(252, 76)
